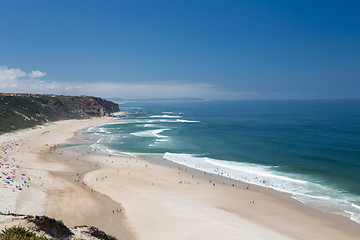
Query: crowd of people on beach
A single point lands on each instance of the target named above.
(11, 179)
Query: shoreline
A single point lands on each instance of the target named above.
(148, 193)
(48, 191)
(337, 221)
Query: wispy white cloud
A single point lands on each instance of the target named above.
(17, 80)
(37, 74)
(9, 74)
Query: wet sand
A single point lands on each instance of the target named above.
(135, 198)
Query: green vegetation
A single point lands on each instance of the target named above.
(20, 112)
(25, 111)
(55, 229)
(19, 233)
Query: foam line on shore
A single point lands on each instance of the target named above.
(265, 176)
(158, 202)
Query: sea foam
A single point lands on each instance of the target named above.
(186, 121)
(312, 193)
(296, 163)
(164, 116)
(150, 133)
(252, 173)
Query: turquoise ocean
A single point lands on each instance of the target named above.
(308, 148)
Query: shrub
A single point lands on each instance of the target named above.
(19, 233)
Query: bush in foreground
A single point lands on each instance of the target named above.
(19, 233)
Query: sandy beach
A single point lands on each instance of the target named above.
(133, 198)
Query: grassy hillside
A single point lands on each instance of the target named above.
(18, 112)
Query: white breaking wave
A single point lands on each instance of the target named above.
(160, 121)
(150, 133)
(166, 121)
(355, 206)
(126, 153)
(99, 147)
(162, 140)
(99, 131)
(186, 121)
(251, 173)
(91, 129)
(150, 125)
(96, 127)
(252, 169)
(355, 217)
(298, 196)
(171, 120)
(312, 193)
(164, 116)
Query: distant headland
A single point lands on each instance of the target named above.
(19, 110)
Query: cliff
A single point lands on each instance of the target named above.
(22, 110)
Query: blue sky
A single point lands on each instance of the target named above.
(208, 49)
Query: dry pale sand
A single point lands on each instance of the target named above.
(132, 198)
(47, 192)
(165, 203)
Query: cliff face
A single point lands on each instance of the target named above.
(23, 111)
(64, 107)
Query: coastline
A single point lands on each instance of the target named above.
(157, 200)
(47, 191)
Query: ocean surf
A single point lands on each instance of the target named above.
(310, 149)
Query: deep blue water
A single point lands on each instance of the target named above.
(308, 148)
